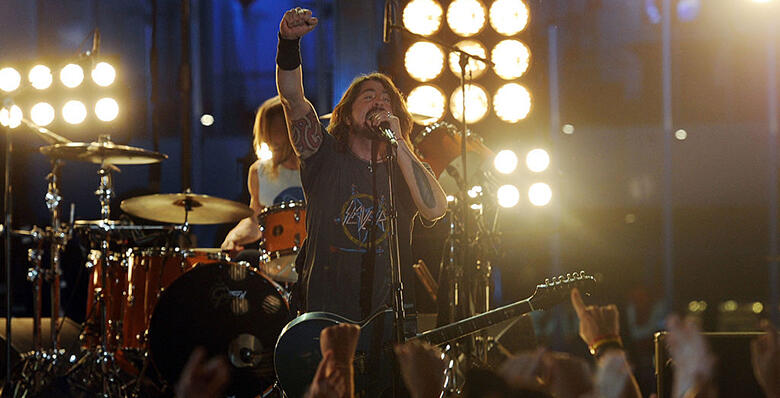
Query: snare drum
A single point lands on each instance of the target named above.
(150, 272)
(440, 146)
(284, 228)
(113, 292)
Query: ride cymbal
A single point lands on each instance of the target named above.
(174, 207)
(102, 153)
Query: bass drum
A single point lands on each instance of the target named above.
(231, 310)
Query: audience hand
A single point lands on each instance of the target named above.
(557, 373)
(328, 381)
(614, 377)
(765, 355)
(596, 323)
(691, 355)
(201, 378)
(339, 342)
(422, 369)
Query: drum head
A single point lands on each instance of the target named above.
(230, 310)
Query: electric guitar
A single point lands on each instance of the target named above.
(297, 352)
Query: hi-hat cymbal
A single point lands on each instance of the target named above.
(171, 208)
(102, 153)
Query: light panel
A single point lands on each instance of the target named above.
(104, 74)
(422, 17)
(466, 17)
(511, 58)
(509, 17)
(40, 77)
(507, 196)
(427, 100)
(74, 112)
(424, 61)
(106, 109)
(505, 161)
(512, 102)
(71, 75)
(539, 194)
(42, 114)
(9, 79)
(537, 160)
(473, 47)
(476, 103)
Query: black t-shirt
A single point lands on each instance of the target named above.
(340, 211)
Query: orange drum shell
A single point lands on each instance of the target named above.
(441, 145)
(283, 227)
(113, 293)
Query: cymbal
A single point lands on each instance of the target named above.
(170, 208)
(102, 153)
(416, 117)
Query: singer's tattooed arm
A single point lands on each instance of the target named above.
(426, 191)
(423, 186)
(302, 124)
(306, 134)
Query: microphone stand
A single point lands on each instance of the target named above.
(7, 228)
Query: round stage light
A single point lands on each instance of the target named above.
(206, 119)
(71, 75)
(476, 103)
(427, 100)
(42, 114)
(505, 161)
(511, 58)
(40, 77)
(509, 17)
(507, 196)
(104, 74)
(74, 112)
(473, 47)
(539, 194)
(9, 79)
(424, 61)
(422, 17)
(537, 160)
(106, 109)
(466, 17)
(512, 102)
(12, 118)
(264, 152)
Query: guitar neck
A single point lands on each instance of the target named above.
(475, 323)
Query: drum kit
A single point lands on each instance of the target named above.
(147, 307)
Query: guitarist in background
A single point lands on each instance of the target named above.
(344, 177)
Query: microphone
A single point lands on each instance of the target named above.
(383, 130)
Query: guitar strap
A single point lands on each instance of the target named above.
(369, 257)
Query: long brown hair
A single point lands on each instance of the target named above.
(342, 114)
(270, 109)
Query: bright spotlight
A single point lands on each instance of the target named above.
(681, 134)
(104, 74)
(505, 161)
(424, 61)
(466, 17)
(106, 109)
(42, 114)
(206, 119)
(512, 102)
(40, 77)
(512, 59)
(71, 75)
(537, 160)
(473, 67)
(509, 17)
(74, 112)
(539, 194)
(12, 118)
(567, 129)
(422, 17)
(264, 152)
(9, 79)
(427, 100)
(507, 196)
(476, 103)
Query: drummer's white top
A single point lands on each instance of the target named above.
(284, 188)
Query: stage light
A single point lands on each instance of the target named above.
(567, 129)
(206, 120)
(507, 196)
(9, 79)
(729, 306)
(106, 109)
(40, 77)
(422, 17)
(264, 152)
(71, 75)
(4, 116)
(505, 161)
(11, 118)
(511, 58)
(424, 61)
(42, 114)
(104, 74)
(537, 160)
(473, 47)
(681, 134)
(509, 17)
(512, 102)
(427, 100)
(539, 194)
(757, 307)
(74, 112)
(466, 17)
(476, 103)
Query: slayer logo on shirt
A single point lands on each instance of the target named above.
(357, 216)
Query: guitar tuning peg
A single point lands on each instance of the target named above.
(568, 277)
(547, 281)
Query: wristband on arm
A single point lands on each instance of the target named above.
(604, 344)
(288, 53)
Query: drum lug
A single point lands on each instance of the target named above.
(297, 216)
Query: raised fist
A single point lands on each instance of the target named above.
(296, 23)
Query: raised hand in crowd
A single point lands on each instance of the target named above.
(556, 373)
(765, 356)
(693, 361)
(422, 368)
(336, 371)
(203, 378)
(613, 375)
(600, 330)
(296, 23)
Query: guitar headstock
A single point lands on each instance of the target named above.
(557, 289)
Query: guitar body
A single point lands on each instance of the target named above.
(298, 355)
